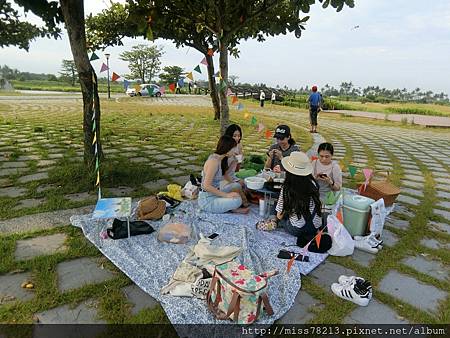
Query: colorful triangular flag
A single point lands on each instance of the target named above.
(125, 84)
(210, 52)
(137, 88)
(253, 121)
(114, 76)
(318, 237)
(172, 87)
(197, 69)
(246, 115)
(290, 263)
(181, 82)
(93, 57)
(204, 61)
(190, 76)
(222, 85)
(352, 170)
(229, 92)
(260, 127)
(162, 90)
(240, 106)
(104, 68)
(234, 99)
(268, 134)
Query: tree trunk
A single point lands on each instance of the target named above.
(223, 64)
(213, 87)
(73, 12)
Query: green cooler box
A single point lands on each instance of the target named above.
(356, 210)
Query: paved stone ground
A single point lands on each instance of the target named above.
(419, 280)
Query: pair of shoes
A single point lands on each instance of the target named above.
(368, 243)
(354, 289)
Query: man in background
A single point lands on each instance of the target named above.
(315, 102)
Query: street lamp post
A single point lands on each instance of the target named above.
(107, 66)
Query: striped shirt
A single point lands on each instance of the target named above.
(295, 221)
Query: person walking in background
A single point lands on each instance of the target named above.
(273, 97)
(315, 101)
(195, 88)
(189, 87)
(262, 98)
(178, 91)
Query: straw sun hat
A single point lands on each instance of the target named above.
(151, 208)
(297, 163)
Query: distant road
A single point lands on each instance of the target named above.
(422, 120)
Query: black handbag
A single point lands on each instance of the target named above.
(120, 229)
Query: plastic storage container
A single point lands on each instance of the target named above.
(356, 210)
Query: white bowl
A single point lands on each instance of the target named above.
(254, 182)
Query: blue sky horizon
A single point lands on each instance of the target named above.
(397, 44)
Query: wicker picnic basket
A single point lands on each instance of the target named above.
(377, 189)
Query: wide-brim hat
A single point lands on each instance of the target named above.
(151, 208)
(297, 163)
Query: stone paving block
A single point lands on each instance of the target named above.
(120, 191)
(195, 169)
(175, 161)
(397, 223)
(84, 313)
(443, 194)
(438, 186)
(403, 210)
(29, 203)
(443, 213)
(161, 157)
(389, 238)
(414, 192)
(181, 180)
(12, 192)
(12, 171)
(38, 246)
(418, 178)
(444, 204)
(374, 313)
(11, 290)
(363, 258)
(408, 200)
(412, 184)
(14, 165)
(79, 272)
(55, 156)
(443, 227)
(434, 244)
(300, 312)
(5, 182)
(171, 171)
(410, 290)
(156, 185)
(45, 163)
(33, 177)
(328, 273)
(428, 267)
(80, 196)
(138, 298)
(139, 160)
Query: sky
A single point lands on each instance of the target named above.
(397, 44)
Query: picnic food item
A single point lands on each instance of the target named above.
(244, 173)
(267, 225)
(255, 162)
(254, 182)
(177, 233)
(151, 208)
(237, 293)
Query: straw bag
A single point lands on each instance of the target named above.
(380, 189)
(237, 293)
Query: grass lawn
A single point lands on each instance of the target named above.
(137, 127)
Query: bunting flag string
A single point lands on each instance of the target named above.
(253, 121)
(260, 127)
(268, 134)
(115, 77)
(352, 170)
(197, 69)
(204, 61)
(104, 68)
(172, 87)
(93, 57)
(234, 99)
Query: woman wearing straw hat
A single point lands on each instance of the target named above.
(211, 197)
(299, 207)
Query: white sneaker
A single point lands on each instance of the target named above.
(364, 245)
(373, 241)
(343, 279)
(351, 280)
(352, 293)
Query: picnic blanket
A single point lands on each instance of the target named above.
(150, 263)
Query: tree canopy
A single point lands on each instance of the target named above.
(143, 61)
(171, 74)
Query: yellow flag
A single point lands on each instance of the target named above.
(98, 178)
(137, 88)
(190, 76)
(95, 138)
(246, 116)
